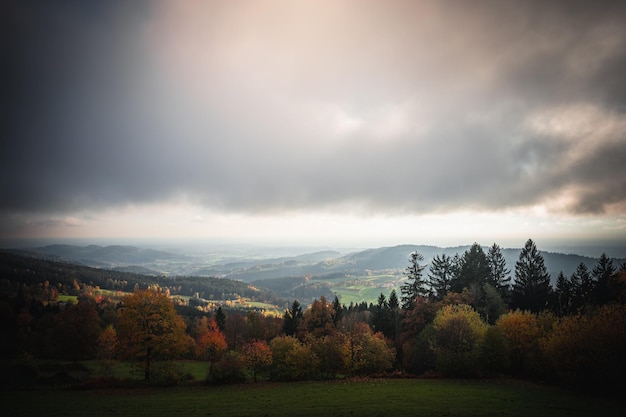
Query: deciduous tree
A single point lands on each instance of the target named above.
(150, 328)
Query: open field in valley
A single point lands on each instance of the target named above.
(370, 397)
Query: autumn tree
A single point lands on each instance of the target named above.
(258, 356)
(415, 284)
(210, 343)
(531, 288)
(318, 318)
(106, 349)
(292, 360)
(149, 328)
(522, 331)
(458, 334)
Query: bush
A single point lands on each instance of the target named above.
(168, 373)
(230, 369)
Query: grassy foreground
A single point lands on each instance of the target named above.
(406, 397)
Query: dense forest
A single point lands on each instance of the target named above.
(469, 316)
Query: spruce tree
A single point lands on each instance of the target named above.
(603, 273)
(531, 288)
(499, 276)
(414, 285)
(441, 275)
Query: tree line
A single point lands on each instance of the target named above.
(468, 317)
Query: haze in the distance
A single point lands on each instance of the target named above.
(361, 123)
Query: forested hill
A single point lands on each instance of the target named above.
(16, 268)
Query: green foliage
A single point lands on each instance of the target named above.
(415, 284)
(493, 356)
(292, 360)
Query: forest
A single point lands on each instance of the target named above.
(468, 317)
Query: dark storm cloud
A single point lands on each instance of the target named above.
(271, 106)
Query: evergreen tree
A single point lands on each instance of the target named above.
(603, 273)
(583, 286)
(531, 288)
(474, 269)
(441, 275)
(292, 319)
(380, 318)
(220, 318)
(414, 285)
(499, 277)
(338, 308)
(394, 310)
(563, 292)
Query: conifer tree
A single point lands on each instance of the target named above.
(499, 276)
(532, 281)
(441, 275)
(415, 284)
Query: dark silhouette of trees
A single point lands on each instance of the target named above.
(292, 319)
(531, 288)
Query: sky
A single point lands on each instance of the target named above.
(351, 122)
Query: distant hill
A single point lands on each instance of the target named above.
(389, 260)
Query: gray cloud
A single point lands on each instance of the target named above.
(271, 106)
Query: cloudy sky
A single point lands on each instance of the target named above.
(334, 122)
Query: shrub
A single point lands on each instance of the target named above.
(230, 369)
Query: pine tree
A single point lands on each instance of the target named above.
(292, 319)
(603, 273)
(499, 276)
(583, 286)
(531, 288)
(563, 291)
(441, 275)
(394, 309)
(474, 270)
(414, 285)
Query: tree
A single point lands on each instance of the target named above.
(211, 344)
(150, 328)
(338, 311)
(318, 318)
(603, 272)
(563, 293)
(458, 333)
(531, 288)
(499, 276)
(106, 349)
(292, 319)
(394, 310)
(220, 318)
(257, 355)
(441, 275)
(583, 286)
(77, 330)
(414, 285)
(522, 332)
(474, 269)
(380, 318)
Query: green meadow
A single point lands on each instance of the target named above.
(368, 397)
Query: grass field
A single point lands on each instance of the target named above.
(395, 397)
